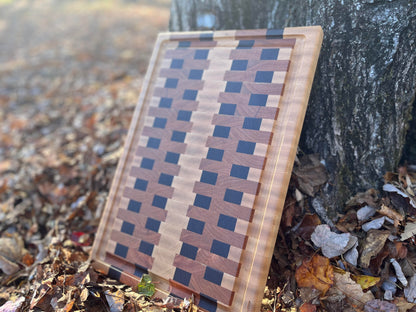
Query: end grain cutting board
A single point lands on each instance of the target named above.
(199, 191)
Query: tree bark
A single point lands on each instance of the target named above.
(362, 98)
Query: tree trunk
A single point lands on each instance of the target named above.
(364, 87)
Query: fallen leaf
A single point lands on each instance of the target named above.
(391, 188)
(370, 197)
(12, 247)
(378, 305)
(351, 256)
(69, 305)
(3, 186)
(288, 212)
(8, 267)
(365, 281)
(410, 290)
(402, 176)
(409, 231)
(65, 280)
(399, 273)
(331, 243)
(18, 123)
(308, 294)
(400, 250)
(391, 213)
(43, 298)
(348, 223)
(376, 262)
(365, 213)
(390, 177)
(351, 289)
(13, 306)
(316, 273)
(146, 287)
(115, 300)
(307, 226)
(372, 245)
(5, 165)
(408, 266)
(374, 224)
(27, 259)
(390, 287)
(403, 305)
(307, 307)
(311, 174)
(84, 294)
(11, 252)
(335, 300)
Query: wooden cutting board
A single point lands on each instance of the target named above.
(198, 194)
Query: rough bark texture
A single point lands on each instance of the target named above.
(364, 87)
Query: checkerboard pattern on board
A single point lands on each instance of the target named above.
(192, 175)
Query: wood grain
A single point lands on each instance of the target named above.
(201, 184)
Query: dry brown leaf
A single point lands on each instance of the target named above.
(3, 186)
(390, 176)
(370, 197)
(311, 174)
(402, 304)
(65, 280)
(307, 226)
(69, 305)
(403, 175)
(5, 165)
(307, 307)
(7, 266)
(308, 294)
(349, 222)
(288, 213)
(84, 294)
(11, 252)
(316, 273)
(43, 298)
(409, 231)
(351, 289)
(27, 259)
(372, 245)
(115, 300)
(391, 213)
(401, 250)
(18, 123)
(403, 192)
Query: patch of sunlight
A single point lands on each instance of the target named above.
(95, 5)
(4, 2)
(88, 5)
(2, 24)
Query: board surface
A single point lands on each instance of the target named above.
(199, 191)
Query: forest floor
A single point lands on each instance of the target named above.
(70, 76)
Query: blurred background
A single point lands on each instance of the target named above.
(70, 76)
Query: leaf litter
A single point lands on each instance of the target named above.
(371, 249)
(65, 107)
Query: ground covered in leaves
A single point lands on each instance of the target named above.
(70, 75)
